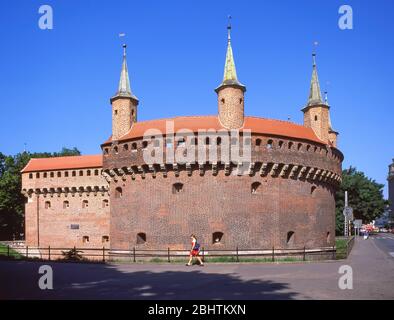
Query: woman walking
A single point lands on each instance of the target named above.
(195, 251)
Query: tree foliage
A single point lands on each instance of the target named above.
(365, 196)
(11, 200)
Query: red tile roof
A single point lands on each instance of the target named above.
(62, 163)
(194, 123)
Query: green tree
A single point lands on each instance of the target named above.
(11, 200)
(365, 196)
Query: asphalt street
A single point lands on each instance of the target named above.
(370, 261)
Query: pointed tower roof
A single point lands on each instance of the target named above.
(230, 73)
(124, 89)
(315, 97)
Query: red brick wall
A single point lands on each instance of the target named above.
(54, 223)
(210, 203)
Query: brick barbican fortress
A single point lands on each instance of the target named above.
(283, 196)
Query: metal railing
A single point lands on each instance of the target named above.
(136, 254)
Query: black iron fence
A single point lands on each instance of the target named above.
(136, 254)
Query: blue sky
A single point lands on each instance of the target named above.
(55, 84)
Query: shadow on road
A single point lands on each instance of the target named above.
(19, 280)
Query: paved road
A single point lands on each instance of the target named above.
(385, 242)
(373, 270)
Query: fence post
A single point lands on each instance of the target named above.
(8, 250)
(273, 254)
(133, 254)
(168, 254)
(49, 253)
(203, 254)
(103, 254)
(303, 258)
(27, 251)
(237, 255)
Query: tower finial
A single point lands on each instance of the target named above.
(229, 28)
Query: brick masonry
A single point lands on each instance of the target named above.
(51, 226)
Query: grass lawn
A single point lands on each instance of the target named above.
(341, 248)
(4, 252)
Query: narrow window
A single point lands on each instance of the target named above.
(290, 145)
(115, 112)
(207, 140)
(118, 192)
(219, 141)
(74, 173)
(116, 150)
(30, 176)
(45, 174)
(104, 239)
(66, 204)
(313, 188)
(308, 147)
(88, 173)
(134, 146)
(144, 144)
(141, 238)
(217, 237)
(74, 226)
(105, 203)
(85, 239)
(280, 144)
(315, 118)
(125, 147)
(66, 174)
(290, 238)
(299, 146)
(240, 100)
(52, 174)
(80, 173)
(222, 100)
(106, 151)
(47, 204)
(37, 175)
(254, 188)
(269, 144)
(328, 237)
(177, 188)
(85, 204)
(96, 172)
(258, 142)
(59, 174)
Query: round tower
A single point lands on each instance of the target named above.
(230, 92)
(124, 104)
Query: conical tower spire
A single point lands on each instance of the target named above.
(124, 104)
(124, 89)
(230, 72)
(314, 91)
